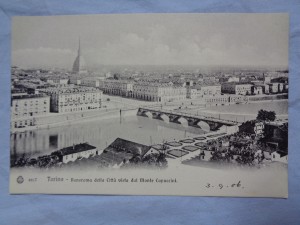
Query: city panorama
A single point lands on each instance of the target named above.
(149, 97)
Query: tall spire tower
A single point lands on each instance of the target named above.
(79, 47)
(79, 63)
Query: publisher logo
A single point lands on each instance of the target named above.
(20, 179)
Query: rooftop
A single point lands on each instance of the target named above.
(155, 84)
(29, 96)
(122, 145)
(70, 89)
(74, 149)
(281, 153)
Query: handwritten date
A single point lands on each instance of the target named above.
(221, 186)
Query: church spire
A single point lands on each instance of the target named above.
(79, 64)
(79, 51)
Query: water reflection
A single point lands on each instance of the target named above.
(99, 133)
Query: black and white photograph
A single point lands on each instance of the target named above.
(150, 104)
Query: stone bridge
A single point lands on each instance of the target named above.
(185, 119)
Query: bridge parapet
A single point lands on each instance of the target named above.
(192, 120)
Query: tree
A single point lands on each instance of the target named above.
(264, 115)
(161, 160)
(117, 76)
(216, 156)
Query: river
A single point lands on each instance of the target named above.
(101, 132)
(243, 112)
(98, 132)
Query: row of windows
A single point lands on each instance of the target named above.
(218, 100)
(31, 108)
(62, 109)
(23, 123)
(30, 113)
(31, 103)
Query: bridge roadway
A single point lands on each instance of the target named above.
(192, 120)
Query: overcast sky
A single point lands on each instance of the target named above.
(152, 39)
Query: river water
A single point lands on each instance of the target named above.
(100, 133)
(243, 112)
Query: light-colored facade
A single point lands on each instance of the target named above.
(74, 99)
(238, 99)
(203, 91)
(216, 100)
(273, 88)
(233, 79)
(160, 92)
(256, 90)
(117, 87)
(75, 80)
(236, 88)
(90, 82)
(279, 157)
(79, 155)
(87, 81)
(24, 108)
(205, 155)
(191, 93)
(208, 90)
(57, 80)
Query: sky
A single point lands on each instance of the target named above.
(151, 39)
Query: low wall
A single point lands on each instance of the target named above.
(268, 97)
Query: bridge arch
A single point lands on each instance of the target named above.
(149, 114)
(183, 121)
(204, 126)
(165, 118)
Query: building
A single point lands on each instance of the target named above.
(276, 135)
(85, 81)
(18, 92)
(216, 100)
(238, 99)
(24, 109)
(76, 152)
(233, 79)
(79, 66)
(204, 90)
(236, 88)
(120, 151)
(256, 89)
(117, 87)
(191, 93)
(159, 92)
(279, 156)
(73, 98)
(252, 127)
(57, 80)
(205, 155)
(75, 80)
(90, 82)
(273, 88)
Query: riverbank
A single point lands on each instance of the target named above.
(245, 111)
(56, 120)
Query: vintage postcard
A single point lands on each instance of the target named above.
(150, 104)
